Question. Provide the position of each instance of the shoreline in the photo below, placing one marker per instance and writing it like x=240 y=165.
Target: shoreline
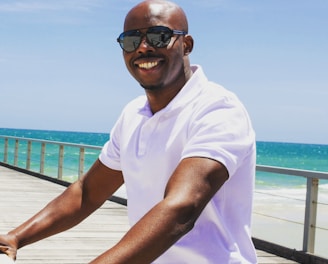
x=281 y=221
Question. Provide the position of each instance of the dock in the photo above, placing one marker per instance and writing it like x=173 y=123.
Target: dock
x=22 y=195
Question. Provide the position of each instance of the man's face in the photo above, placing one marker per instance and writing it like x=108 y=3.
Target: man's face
x=154 y=68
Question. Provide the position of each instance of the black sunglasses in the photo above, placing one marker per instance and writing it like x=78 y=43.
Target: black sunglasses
x=158 y=37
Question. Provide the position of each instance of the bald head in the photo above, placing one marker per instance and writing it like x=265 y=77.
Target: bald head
x=158 y=60
x=156 y=12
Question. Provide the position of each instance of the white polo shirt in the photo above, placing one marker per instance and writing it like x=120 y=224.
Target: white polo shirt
x=203 y=120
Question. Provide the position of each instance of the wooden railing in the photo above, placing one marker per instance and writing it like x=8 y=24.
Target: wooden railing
x=25 y=162
x=19 y=153
x=311 y=200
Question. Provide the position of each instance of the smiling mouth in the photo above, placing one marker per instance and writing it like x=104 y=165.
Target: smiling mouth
x=148 y=65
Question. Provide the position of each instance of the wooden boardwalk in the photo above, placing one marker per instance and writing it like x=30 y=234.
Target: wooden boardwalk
x=23 y=195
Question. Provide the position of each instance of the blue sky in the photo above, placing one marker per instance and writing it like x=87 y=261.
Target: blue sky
x=61 y=68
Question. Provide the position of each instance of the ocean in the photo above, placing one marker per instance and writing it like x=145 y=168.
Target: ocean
x=277 y=196
x=290 y=155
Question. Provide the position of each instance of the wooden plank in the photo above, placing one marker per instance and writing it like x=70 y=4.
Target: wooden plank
x=21 y=196
x=267 y=258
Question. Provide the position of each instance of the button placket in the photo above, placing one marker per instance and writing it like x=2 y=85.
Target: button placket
x=145 y=134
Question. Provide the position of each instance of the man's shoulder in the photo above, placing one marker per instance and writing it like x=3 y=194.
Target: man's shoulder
x=214 y=92
x=209 y=88
x=138 y=102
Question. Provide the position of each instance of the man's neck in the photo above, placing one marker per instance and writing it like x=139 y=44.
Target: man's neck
x=160 y=98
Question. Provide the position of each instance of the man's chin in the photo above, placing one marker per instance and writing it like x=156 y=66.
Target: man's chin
x=151 y=87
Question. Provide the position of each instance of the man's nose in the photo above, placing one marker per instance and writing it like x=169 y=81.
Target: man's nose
x=144 y=44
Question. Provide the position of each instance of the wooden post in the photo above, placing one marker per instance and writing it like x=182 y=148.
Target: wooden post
x=16 y=152
x=28 y=157
x=5 y=157
x=60 y=162
x=42 y=155
x=81 y=162
x=310 y=215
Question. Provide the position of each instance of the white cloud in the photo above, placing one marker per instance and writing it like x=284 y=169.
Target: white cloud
x=47 y=5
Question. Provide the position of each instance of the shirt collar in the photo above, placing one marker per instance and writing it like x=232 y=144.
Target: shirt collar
x=191 y=90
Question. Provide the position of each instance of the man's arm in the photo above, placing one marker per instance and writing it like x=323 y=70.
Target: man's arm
x=190 y=188
x=77 y=202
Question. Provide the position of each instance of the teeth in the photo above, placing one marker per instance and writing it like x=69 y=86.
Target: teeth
x=148 y=65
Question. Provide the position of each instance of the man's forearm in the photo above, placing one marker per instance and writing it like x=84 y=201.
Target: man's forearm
x=157 y=231
x=59 y=215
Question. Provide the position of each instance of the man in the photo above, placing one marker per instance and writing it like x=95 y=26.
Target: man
x=185 y=151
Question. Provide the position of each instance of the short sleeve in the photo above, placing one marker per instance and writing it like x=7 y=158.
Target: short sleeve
x=221 y=130
x=110 y=153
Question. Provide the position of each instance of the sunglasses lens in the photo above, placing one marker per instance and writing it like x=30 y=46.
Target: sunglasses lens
x=130 y=40
x=159 y=37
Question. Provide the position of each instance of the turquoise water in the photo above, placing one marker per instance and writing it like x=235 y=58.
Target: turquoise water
x=87 y=138
x=312 y=157
x=290 y=155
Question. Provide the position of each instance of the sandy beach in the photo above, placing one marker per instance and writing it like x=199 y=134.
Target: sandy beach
x=280 y=220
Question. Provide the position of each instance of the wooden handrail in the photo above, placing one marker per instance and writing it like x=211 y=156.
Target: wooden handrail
x=313 y=177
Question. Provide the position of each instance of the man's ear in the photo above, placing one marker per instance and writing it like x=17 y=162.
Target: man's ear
x=188 y=44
